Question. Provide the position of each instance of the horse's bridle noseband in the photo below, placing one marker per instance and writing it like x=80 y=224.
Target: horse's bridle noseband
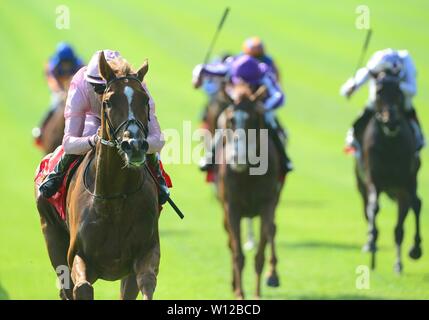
x=125 y=124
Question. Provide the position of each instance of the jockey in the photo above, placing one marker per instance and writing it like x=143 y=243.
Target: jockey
x=211 y=85
x=393 y=62
x=82 y=120
x=59 y=70
x=255 y=48
x=245 y=68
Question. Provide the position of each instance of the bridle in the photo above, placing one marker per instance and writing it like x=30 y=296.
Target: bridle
x=378 y=115
x=115 y=142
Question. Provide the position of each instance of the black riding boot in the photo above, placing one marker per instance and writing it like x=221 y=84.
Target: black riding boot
x=53 y=181
x=417 y=129
x=164 y=193
x=285 y=161
x=360 y=124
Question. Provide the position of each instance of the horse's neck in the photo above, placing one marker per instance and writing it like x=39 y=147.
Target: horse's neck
x=111 y=178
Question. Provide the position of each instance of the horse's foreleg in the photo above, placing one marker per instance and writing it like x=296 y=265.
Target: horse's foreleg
x=260 y=258
x=226 y=227
x=83 y=289
x=129 y=288
x=146 y=271
x=273 y=278
x=416 y=251
x=237 y=253
x=403 y=207
x=363 y=192
x=372 y=210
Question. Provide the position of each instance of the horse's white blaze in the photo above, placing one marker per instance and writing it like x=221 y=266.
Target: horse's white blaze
x=129 y=92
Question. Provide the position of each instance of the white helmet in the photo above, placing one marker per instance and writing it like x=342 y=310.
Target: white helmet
x=92 y=74
x=391 y=62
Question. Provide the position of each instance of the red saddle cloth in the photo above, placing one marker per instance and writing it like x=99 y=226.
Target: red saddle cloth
x=58 y=200
x=46 y=166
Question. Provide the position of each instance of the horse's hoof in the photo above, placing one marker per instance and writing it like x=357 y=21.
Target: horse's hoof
x=415 y=253
x=398 y=268
x=273 y=281
x=239 y=295
x=64 y=294
x=83 y=291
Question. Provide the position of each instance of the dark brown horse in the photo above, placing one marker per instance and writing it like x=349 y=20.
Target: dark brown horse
x=389 y=164
x=243 y=194
x=111 y=231
x=52 y=131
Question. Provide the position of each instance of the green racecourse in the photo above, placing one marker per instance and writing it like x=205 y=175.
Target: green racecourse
x=320 y=221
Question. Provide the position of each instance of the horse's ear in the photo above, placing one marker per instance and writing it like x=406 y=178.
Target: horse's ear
x=104 y=68
x=143 y=70
x=259 y=94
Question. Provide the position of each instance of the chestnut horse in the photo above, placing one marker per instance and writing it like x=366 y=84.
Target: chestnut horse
x=111 y=229
x=244 y=195
x=215 y=106
x=389 y=164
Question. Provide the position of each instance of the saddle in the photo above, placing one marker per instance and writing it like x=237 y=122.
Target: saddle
x=46 y=166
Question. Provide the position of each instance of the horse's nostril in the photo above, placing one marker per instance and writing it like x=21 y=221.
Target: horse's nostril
x=125 y=146
x=144 y=145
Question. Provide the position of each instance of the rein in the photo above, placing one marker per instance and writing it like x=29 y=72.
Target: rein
x=112 y=197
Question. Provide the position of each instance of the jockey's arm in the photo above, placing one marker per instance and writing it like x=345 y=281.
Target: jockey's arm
x=213 y=70
x=275 y=96
x=362 y=75
x=354 y=83
x=75 y=115
x=409 y=85
x=155 y=137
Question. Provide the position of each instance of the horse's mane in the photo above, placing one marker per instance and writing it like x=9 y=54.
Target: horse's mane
x=120 y=67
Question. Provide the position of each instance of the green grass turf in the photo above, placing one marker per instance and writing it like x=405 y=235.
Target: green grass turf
x=320 y=220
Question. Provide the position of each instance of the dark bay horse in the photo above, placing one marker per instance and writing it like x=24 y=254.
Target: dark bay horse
x=111 y=231
x=243 y=195
x=389 y=164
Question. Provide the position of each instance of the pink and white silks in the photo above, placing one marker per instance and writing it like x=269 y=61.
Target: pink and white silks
x=82 y=118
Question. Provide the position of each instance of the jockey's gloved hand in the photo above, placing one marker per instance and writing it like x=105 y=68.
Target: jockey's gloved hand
x=197 y=76
x=348 y=88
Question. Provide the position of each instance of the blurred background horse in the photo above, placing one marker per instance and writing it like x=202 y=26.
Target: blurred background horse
x=388 y=163
x=243 y=195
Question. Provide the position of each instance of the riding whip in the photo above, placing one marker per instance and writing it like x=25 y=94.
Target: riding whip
x=363 y=51
x=222 y=21
x=169 y=200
